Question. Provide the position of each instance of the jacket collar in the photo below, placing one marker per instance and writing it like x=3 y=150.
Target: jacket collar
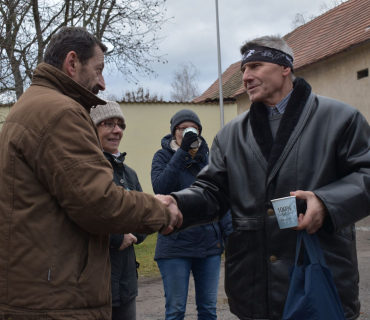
x=272 y=150
x=111 y=158
x=48 y=76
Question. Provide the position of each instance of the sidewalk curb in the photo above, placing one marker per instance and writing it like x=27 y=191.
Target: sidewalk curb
x=362 y=228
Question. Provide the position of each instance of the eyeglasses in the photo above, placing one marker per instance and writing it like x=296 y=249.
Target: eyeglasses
x=181 y=129
x=111 y=125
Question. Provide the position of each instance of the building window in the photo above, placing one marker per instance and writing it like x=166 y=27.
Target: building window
x=362 y=74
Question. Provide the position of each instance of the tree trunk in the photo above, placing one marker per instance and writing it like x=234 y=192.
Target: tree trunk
x=36 y=17
x=18 y=80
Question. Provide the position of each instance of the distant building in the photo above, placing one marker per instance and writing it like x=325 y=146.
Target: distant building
x=332 y=52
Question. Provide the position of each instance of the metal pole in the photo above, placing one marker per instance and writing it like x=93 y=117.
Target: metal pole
x=219 y=70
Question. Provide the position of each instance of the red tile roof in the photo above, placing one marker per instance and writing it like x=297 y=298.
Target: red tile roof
x=231 y=84
x=335 y=31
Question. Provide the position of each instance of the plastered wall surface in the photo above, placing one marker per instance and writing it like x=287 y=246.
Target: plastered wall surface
x=243 y=103
x=337 y=78
x=4 y=111
x=148 y=123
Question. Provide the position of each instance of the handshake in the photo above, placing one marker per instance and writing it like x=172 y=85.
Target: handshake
x=176 y=215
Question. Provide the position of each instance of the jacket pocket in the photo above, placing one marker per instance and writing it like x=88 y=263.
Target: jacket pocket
x=82 y=259
x=237 y=244
x=216 y=227
x=243 y=238
x=241 y=269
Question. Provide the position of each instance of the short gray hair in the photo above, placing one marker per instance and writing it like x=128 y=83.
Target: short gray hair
x=275 y=42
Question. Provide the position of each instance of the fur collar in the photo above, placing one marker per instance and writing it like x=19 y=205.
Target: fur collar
x=271 y=149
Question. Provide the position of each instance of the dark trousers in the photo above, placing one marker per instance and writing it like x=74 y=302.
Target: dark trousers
x=127 y=312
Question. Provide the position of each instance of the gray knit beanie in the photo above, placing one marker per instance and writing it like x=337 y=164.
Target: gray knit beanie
x=107 y=111
x=182 y=116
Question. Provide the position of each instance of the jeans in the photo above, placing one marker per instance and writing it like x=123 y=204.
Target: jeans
x=175 y=275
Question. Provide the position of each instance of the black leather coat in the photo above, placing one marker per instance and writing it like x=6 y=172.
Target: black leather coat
x=327 y=152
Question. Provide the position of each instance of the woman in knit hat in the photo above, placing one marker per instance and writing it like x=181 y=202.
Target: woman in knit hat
x=197 y=250
x=110 y=123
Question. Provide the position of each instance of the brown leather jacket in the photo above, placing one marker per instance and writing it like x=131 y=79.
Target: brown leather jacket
x=58 y=204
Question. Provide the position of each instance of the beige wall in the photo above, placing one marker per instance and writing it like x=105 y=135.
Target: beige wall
x=4 y=111
x=243 y=103
x=335 y=78
x=148 y=123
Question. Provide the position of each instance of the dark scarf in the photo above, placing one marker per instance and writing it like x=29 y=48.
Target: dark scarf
x=271 y=149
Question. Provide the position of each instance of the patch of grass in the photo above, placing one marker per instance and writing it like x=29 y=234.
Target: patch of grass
x=145 y=256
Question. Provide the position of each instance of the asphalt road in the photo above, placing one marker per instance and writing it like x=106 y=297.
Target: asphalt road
x=151 y=302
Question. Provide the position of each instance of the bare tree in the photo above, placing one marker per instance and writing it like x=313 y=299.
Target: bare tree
x=141 y=96
x=331 y=5
x=128 y=27
x=302 y=18
x=185 y=83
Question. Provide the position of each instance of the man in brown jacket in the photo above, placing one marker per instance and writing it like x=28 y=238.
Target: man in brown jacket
x=58 y=202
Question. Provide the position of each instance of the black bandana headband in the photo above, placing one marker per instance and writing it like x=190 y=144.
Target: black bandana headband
x=268 y=55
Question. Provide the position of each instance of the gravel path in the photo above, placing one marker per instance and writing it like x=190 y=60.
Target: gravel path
x=150 y=302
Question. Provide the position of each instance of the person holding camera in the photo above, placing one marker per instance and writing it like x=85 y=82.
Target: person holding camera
x=198 y=250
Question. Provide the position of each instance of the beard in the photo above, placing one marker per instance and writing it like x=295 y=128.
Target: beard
x=86 y=83
x=95 y=90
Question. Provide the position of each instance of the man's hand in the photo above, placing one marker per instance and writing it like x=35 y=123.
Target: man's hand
x=128 y=240
x=176 y=216
x=315 y=213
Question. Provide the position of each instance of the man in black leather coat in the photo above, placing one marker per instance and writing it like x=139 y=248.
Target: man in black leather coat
x=290 y=142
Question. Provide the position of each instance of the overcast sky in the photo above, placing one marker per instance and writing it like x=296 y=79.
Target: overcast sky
x=191 y=36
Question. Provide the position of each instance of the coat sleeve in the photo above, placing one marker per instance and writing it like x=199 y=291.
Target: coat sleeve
x=140 y=237
x=207 y=200
x=137 y=183
x=166 y=170
x=116 y=240
x=348 y=198
x=70 y=164
x=226 y=226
